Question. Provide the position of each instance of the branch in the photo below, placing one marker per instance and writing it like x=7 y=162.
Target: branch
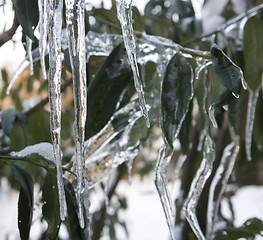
x=6 y=36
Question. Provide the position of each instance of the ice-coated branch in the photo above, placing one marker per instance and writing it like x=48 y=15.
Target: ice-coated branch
x=77 y=52
x=55 y=28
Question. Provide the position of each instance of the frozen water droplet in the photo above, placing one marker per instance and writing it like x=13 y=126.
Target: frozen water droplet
x=236 y=95
x=124 y=11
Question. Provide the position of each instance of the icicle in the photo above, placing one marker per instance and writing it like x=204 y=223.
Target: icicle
x=29 y=54
x=124 y=9
x=219 y=183
x=197 y=187
x=43 y=24
x=55 y=91
x=161 y=185
x=77 y=52
x=211 y=114
x=251 y=110
x=106 y=190
x=129 y=166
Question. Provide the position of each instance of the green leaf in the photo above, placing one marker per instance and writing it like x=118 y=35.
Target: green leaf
x=229 y=74
x=253 y=51
x=224 y=98
x=8 y=117
x=25 y=202
x=28 y=15
x=77 y=233
x=177 y=92
x=249 y=229
x=50 y=209
x=105 y=89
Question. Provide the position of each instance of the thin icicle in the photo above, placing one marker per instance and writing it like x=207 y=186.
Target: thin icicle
x=219 y=183
x=124 y=9
x=55 y=91
x=29 y=54
x=77 y=52
x=211 y=114
x=251 y=110
x=197 y=187
x=43 y=24
x=161 y=185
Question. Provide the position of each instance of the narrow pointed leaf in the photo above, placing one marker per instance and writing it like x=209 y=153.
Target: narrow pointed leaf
x=28 y=15
x=50 y=209
x=25 y=202
x=253 y=51
x=105 y=89
x=229 y=74
x=177 y=92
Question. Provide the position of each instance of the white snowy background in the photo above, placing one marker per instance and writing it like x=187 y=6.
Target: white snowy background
x=144 y=216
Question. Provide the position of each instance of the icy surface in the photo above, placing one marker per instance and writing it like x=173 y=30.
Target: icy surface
x=55 y=26
x=43 y=7
x=29 y=54
x=251 y=110
x=43 y=149
x=124 y=8
x=77 y=53
x=197 y=187
x=161 y=183
x=219 y=183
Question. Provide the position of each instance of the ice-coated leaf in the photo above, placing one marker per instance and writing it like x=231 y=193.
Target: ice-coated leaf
x=43 y=149
x=27 y=13
x=8 y=117
x=105 y=89
x=253 y=51
x=72 y=208
x=50 y=208
x=25 y=202
x=177 y=92
x=228 y=73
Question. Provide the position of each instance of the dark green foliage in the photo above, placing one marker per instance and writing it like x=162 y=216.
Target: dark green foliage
x=177 y=92
x=105 y=89
x=27 y=13
x=50 y=208
x=25 y=202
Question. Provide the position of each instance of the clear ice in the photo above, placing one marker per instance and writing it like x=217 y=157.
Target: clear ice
x=219 y=183
x=251 y=110
x=55 y=26
x=43 y=7
x=161 y=183
x=29 y=54
x=197 y=187
x=124 y=11
x=77 y=52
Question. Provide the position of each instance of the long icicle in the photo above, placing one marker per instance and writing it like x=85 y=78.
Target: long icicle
x=77 y=52
x=43 y=23
x=55 y=28
x=29 y=54
x=124 y=11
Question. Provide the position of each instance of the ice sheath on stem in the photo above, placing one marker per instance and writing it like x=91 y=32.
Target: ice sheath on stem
x=43 y=23
x=55 y=28
x=124 y=11
x=77 y=52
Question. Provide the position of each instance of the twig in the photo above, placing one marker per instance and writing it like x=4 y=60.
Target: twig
x=6 y=36
x=227 y=24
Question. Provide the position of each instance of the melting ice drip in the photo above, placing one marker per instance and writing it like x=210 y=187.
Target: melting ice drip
x=124 y=8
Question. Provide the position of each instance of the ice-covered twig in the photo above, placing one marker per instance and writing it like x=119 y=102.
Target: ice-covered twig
x=124 y=8
x=77 y=52
x=197 y=187
x=161 y=182
x=219 y=183
x=55 y=27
